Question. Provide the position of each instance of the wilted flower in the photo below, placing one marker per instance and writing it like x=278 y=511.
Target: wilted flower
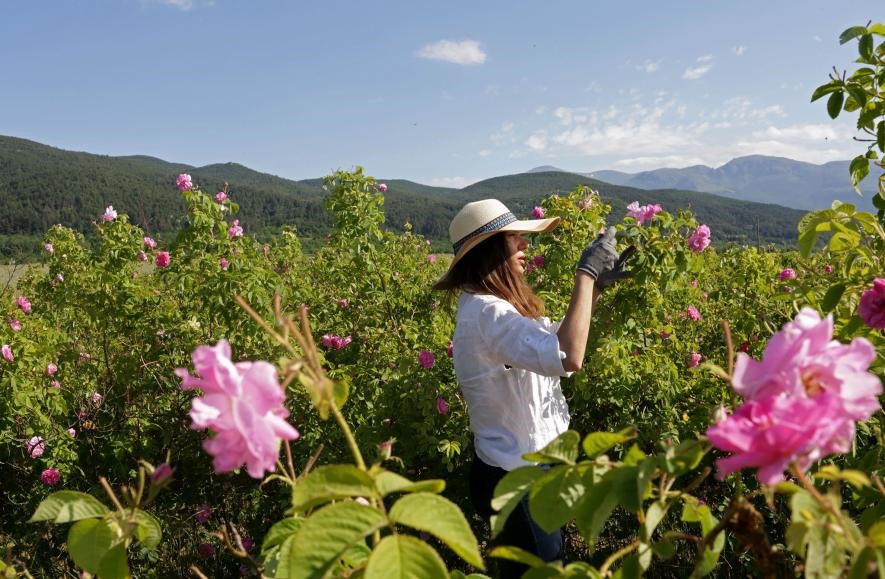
x=149 y=242
x=243 y=404
x=50 y=477
x=431 y=258
x=221 y=197
x=450 y=350
x=109 y=214
x=872 y=305
x=700 y=239
x=24 y=304
x=426 y=359
x=665 y=335
x=385 y=449
x=694 y=360
x=49 y=247
x=382 y=187
x=51 y=369
x=204 y=513
x=184 y=182
x=55 y=384
x=36 y=446
x=6 y=349
x=828 y=268
x=787 y=273
x=223 y=263
x=15 y=325
x=247 y=542
x=538 y=212
x=235 y=230
x=442 y=406
x=141 y=256
x=162 y=259
x=693 y=313
x=642 y=213
x=206 y=550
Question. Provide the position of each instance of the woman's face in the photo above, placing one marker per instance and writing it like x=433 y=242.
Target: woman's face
x=516 y=246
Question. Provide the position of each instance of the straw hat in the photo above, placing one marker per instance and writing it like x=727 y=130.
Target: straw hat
x=479 y=220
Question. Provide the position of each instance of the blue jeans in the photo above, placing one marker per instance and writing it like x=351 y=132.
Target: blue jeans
x=520 y=530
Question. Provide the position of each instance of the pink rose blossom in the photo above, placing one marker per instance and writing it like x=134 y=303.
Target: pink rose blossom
x=450 y=350
x=15 y=325
x=693 y=313
x=162 y=259
x=334 y=342
x=243 y=404
x=431 y=258
x=184 y=182
x=36 y=446
x=693 y=283
x=109 y=214
x=55 y=384
x=442 y=406
x=72 y=432
x=342 y=303
x=788 y=273
x=223 y=263
x=872 y=305
x=538 y=261
x=828 y=268
x=382 y=187
x=694 y=360
x=538 y=213
x=585 y=203
x=700 y=239
x=161 y=474
x=59 y=278
x=235 y=230
x=149 y=242
x=642 y=213
x=50 y=477
x=51 y=369
x=24 y=304
x=221 y=197
x=426 y=359
x=96 y=398
x=6 y=349
x=204 y=513
x=49 y=247
x=141 y=256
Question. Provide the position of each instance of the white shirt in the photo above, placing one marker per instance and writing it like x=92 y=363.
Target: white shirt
x=508 y=367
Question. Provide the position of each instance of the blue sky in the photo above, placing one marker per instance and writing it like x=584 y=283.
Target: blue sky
x=444 y=93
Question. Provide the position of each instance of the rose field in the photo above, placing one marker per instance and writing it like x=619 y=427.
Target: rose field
x=220 y=407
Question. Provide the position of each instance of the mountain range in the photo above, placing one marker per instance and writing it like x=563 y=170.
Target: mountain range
x=42 y=185
x=758 y=178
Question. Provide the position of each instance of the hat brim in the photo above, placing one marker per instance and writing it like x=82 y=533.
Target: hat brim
x=525 y=226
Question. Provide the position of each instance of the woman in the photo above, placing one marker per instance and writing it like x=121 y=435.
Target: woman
x=509 y=358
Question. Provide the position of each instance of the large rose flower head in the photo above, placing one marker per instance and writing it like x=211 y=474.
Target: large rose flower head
x=243 y=404
x=24 y=304
x=235 y=230
x=109 y=214
x=804 y=361
x=700 y=239
x=184 y=182
x=872 y=305
x=642 y=213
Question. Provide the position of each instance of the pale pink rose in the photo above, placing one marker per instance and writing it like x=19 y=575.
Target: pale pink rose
x=828 y=268
x=265 y=249
x=6 y=349
x=184 y=182
x=700 y=239
x=788 y=273
x=342 y=303
x=96 y=398
x=243 y=404
x=235 y=230
x=72 y=433
x=49 y=248
x=693 y=313
x=773 y=432
x=872 y=305
x=162 y=259
x=36 y=446
x=24 y=304
x=431 y=258
x=109 y=214
x=450 y=350
x=51 y=369
x=15 y=325
x=85 y=356
x=426 y=359
x=585 y=203
x=694 y=360
x=642 y=213
x=382 y=187
x=693 y=283
x=221 y=197
x=538 y=213
x=59 y=278
x=149 y=242
x=223 y=263
x=427 y=242
x=802 y=360
x=50 y=477
x=55 y=384
x=442 y=406
x=141 y=256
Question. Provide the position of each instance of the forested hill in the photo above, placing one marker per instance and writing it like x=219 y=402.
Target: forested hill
x=41 y=186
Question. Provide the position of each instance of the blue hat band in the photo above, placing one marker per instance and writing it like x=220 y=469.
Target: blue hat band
x=493 y=225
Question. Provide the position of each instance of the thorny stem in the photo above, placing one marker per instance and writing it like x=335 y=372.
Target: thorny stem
x=613 y=558
x=826 y=504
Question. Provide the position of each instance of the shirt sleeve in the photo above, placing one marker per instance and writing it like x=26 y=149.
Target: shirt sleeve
x=519 y=341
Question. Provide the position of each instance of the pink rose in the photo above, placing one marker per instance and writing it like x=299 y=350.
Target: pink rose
x=162 y=259
x=585 y=203
x=235 y=230
x=828 y=268
x=51 y=369
x=342 y=303
x=72 y=432
x=24 y=304
x=204 y=513
x=149 y=242
x=161 y=474
x=96 y=398
x=50 y=477
x=694 y=360
x=223 y=263
x=184 y=182
x=442 y=406
x=431 y=258
x=426 y=359
x=243 y=404
x=642 y=213
x=872 y=305
x=15 y=325
x=141 y=256
x=700 y=239
x=55 y=384
x=49 y=247
x=36 y=446
x=788 y=273
x=109 y=214
x=538 y=213
x=221 y=197
x=382 y=187
x=693 y=313
x=6 y=349
x=59 y=278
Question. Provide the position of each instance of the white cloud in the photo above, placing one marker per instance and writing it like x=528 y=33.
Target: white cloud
x=505 y=134
x=649 y=66
x=485 y=153
x=537 y=142
x=456 y=182
x=739 y=50
x=643 y=163
x=705 y=58
x=696 y=72
x=467 y=52
x=183 y=5
x=817 y=38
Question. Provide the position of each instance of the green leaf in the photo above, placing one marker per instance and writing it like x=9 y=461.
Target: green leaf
x=148 y=530
x=787 y=488
x=857 y=93
x=518 y=555
x=67 y=506
x=330 y=482
x=683 y=458
x=860 y=566
x=880 y=135
x=834 y=104
x=877 y=28
x=114 y=564
x=859 y=169
x=277 y=560
x=592 y=513
x=388 y=482
x=279 y=532
x=664 y=549
x=851 y=33
x=653 y=516
x=402 y=556
x=877 y=534
x=509 y=491
x=825 y=89
x=89 y=540
x=832 y=297
x=325 y=535
x=554 y=497
x=597 y=443
x=865 y=46
x=441 y=518
x=562 y=449
x=633 y=456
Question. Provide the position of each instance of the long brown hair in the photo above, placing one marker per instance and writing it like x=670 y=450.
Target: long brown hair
x=484 y=270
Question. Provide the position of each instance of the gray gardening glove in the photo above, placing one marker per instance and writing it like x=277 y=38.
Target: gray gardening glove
x=600 y=256
x=616 y=273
